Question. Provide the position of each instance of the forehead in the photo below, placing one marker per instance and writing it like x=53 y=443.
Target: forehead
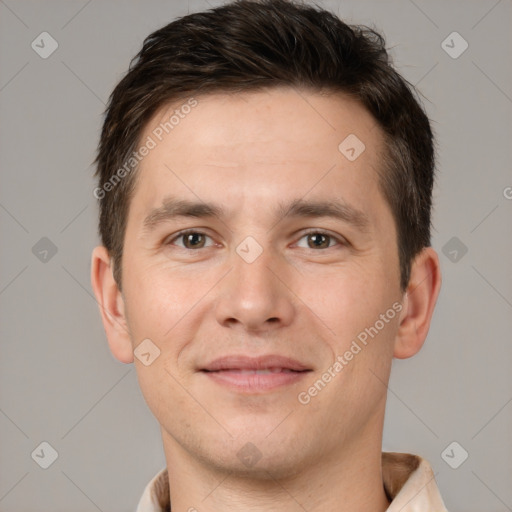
x=249 y=147
x=231 y=120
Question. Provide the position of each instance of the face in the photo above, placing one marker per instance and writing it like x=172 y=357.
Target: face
x=260 y=258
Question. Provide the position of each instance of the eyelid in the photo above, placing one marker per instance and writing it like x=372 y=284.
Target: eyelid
x=342 y=241
x=169 y=240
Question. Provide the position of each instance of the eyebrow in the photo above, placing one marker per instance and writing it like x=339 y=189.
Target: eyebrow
x=337 y=210
x=172 y=208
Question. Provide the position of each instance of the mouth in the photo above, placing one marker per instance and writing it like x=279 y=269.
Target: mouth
x=255 y=374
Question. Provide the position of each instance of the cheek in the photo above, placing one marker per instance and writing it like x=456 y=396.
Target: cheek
x=168 y=309
x=162 y=391
x=345 y=300
x=156 y=297
x=355 y=308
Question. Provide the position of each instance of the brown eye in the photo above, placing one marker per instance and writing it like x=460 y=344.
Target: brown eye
x=193 y=240
x=321 y=240
x=318 y=241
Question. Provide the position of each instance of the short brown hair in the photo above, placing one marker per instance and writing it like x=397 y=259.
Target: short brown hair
x=248 y=45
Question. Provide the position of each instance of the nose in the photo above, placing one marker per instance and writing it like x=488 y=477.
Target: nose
x=254 y=296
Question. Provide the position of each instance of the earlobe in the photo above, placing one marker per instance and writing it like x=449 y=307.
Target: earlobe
x=111 y=304
x=418 y=304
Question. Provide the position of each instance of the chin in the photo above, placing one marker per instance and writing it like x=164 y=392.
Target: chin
x=253 y=456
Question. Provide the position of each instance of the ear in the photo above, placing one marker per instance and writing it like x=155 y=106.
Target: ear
x=111 y=304
x=418 y=304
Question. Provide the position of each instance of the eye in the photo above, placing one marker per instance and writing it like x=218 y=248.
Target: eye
x=191 y=240
x=318 y=240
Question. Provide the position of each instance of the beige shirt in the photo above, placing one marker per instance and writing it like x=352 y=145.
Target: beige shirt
x=408 y=481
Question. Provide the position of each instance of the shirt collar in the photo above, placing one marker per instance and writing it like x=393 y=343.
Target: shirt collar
x=408 y=480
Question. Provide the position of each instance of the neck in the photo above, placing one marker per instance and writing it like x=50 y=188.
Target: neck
x=344 y=482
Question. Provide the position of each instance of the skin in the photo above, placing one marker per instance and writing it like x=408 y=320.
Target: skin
x=249 y=154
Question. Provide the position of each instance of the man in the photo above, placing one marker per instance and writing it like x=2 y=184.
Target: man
x=265 y=181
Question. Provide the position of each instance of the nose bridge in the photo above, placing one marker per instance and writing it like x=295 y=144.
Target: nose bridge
x=253 y=277
x=252 y=295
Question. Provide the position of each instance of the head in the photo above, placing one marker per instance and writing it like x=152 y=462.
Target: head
x=248 y=46
x=234 y=124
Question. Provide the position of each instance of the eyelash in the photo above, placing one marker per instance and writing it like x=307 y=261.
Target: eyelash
x=339 y=241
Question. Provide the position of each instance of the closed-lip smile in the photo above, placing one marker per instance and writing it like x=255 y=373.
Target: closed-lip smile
x=255 y=374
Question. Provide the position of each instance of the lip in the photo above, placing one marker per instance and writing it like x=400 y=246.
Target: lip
x=255 y=374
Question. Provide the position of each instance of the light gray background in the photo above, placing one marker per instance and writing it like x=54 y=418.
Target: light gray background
x=59 y=382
